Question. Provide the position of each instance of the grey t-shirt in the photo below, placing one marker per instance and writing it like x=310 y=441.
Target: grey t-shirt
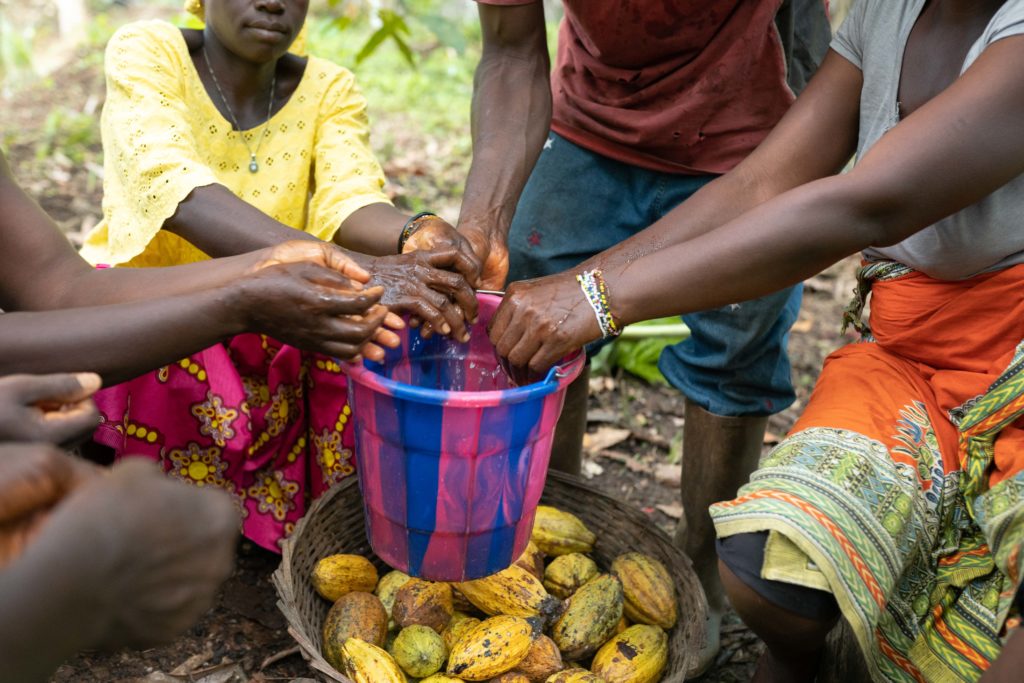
x=988 y=235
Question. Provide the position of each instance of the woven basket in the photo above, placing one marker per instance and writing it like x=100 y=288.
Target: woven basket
x=334 y=524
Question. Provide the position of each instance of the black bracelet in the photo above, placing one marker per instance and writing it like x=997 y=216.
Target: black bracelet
x=411 y=226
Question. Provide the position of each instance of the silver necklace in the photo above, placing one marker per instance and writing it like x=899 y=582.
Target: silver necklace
x=253 y=165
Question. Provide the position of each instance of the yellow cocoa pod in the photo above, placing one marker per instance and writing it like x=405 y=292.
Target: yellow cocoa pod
x=460 y=602
x=336 y=575
x=559 y=533
x=541 y=661
x=650 y=596
x=423 y=602
x=494 y=646
x=441 y=678
x=511 y=677
x=590 y=617
x=532 y=560
x=637 y=655
x=355 y=615
x=366 y=663
x=460 y=625
x=419 y=650
x=575 y=676
x=567 y=573
x=513 y=591
x=387 y=589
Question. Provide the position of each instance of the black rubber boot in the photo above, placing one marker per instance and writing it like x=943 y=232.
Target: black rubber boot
x=719 y=454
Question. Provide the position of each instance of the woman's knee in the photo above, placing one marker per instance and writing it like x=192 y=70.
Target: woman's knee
x=783 y=615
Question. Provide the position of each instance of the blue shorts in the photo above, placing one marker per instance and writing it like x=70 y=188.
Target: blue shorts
x=578 y=203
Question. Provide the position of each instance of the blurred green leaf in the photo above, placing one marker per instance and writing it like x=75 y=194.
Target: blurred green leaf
x=375 y=41
x=638 y=355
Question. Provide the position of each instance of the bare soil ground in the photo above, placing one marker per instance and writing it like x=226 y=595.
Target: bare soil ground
x=634 y=432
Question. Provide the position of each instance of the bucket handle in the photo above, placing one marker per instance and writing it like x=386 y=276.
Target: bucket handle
x=561 y=371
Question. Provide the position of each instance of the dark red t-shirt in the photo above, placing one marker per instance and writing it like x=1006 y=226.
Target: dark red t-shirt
x=684 y=86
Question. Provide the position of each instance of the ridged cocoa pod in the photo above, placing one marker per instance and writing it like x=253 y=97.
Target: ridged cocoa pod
x=638 y=655
x=365 y=663
x=647 y=587
x=511 y=677
x=419 y=650
x=513 y=591
x=567 y=573
x=576 y=675
x=461 y=602
x=387 y=589
x=423 y=602
x=590 y=618
x=336 y=575
x=532 y=560
x=559 y=533
x=460 y=625
x=541 y=661
x=354 y=615
x=493 y=647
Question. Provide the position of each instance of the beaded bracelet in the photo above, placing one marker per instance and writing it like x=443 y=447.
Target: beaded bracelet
x=596 y=291
x=411 y=226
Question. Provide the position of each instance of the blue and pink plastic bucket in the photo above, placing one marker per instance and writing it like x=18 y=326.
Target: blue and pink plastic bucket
x=451 y=457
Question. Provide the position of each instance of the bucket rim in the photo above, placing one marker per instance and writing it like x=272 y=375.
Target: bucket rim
x=558 y=377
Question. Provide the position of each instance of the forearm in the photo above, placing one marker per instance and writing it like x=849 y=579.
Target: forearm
x=220 y=224
x=511 y=116
x=123 y=285
x=372 y=230
x=117 y=341
x=720 y=201
x=771 y=247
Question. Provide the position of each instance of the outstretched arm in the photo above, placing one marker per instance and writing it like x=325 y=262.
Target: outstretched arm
x=511 y=116
x=815 y=139
x=122 y=322
x=970 y=131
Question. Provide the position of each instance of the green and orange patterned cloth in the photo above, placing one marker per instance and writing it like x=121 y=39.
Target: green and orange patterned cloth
x=901 y=488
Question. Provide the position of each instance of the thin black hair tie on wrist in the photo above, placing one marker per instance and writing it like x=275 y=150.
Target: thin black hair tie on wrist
x=411 y=226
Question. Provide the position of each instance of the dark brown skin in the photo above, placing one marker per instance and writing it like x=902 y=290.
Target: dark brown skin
x=511 y=117
x=247 y=42
x=52 y=408
x=784 y=215
x=735 y=245
x=135 y=580
x=124 y=321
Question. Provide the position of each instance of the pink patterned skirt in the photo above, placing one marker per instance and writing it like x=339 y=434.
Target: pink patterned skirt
x=261 y=420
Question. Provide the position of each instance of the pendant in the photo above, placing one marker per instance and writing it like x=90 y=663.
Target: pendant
x=253 y=166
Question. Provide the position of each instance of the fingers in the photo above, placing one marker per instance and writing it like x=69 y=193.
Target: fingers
x=393 y=321
x=502 y=317
x=71 y=422
x=338 y=261
x=55 y=389
x=387 y=338
x=466 y=262
x=335 y=302
x=552 y=350
x=35 y=476
x=429 y=313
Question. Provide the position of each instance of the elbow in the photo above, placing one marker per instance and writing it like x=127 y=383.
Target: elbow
x=881 y=213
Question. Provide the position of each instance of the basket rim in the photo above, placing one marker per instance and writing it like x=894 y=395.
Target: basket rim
x=283 y=583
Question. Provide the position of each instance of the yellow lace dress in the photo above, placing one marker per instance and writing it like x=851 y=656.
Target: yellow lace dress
x=264 y=421
x=163 y=137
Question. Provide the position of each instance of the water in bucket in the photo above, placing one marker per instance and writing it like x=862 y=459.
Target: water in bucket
x=451 y=456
